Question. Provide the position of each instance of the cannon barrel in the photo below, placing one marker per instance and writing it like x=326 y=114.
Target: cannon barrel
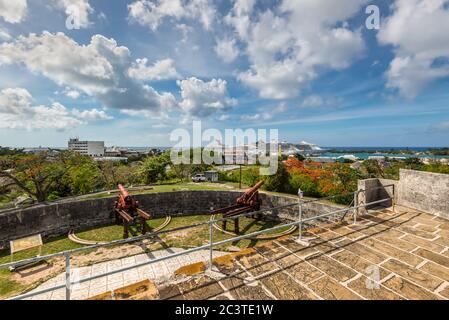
x=248 y=196
x=123 y=191
x=255 y=188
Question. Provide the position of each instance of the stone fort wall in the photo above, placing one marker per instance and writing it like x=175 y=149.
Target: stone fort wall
x=423 y=191
x=56 y=219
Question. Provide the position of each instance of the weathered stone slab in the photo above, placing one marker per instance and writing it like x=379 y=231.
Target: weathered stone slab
x=347 y=232
x=393 y=252
x=442 y=241
x=240 y=291
x=443 y=233
x=443 y=225
x=417 y=232
x=325 y=234
x=329 y=289
x=364 y=251
x=201 y=288
x=445 y=293
x=426 y=244
x=436 y=270
x=256 y=264
x=325 y=247
x=358 y=263
x=384 y=223
x=425 y=280
x=299 y=269
x=408 y=290
x=395 y=242
x=272 y=251
x=170 y=292
x=296 y=248
x=435 y=257
x=331 y=267
x=372 y=291
x=284 y=287
x=102 y=296
x=227 y=264
x=191 y=269
x=143 y=290
x=429 y=222
x=427 y=228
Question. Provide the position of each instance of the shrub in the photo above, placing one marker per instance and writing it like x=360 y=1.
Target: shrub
x=305 y=182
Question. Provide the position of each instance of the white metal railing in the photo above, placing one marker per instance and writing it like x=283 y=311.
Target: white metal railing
x=299 y=222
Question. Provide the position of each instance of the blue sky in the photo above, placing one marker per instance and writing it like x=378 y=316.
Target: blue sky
x=132 y=71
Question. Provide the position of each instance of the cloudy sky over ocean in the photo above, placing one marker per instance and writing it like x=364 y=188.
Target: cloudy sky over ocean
x=130 y=72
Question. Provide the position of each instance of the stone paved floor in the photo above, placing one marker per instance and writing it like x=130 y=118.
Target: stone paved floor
x=157 y=272
x=386 y=255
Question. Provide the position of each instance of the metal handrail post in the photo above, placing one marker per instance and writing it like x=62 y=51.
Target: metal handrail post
x=210 y=245
x=356 y=203
x=300 y=196
x=300 y=219
x=394 y=197
x=67 y=276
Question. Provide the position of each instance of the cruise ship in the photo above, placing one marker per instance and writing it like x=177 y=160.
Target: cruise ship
x=304 y=148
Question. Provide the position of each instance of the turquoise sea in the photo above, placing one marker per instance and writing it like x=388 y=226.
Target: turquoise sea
x=377 y=151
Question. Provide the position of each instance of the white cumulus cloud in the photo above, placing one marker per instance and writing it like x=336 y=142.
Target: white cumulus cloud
x=227 y=49
x=418 y=31
x=93 y=114
x=201 y=99
x=160 y=70
x=73 y=94
x=99 y=69
x=17 y=111
x=289 y=44
x=4 y=35
x=152 y=13
x=80 y=9
x=13 y=11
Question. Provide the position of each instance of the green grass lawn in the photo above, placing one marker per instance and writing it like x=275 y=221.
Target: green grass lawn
x=181 y=239
x=187 y=238
x=171 y=188
x=114 y=232
x=8 y=287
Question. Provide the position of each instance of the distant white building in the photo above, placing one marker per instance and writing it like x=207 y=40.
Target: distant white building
x=350 y=157
x=323 y=159
x=87 y=148
x=113 y=159
x=377 y=158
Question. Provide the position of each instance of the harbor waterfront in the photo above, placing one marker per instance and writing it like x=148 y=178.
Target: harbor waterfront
x=388 y=152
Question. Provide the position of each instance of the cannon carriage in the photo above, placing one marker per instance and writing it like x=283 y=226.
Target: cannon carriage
x=248 y=202
x=128 y=213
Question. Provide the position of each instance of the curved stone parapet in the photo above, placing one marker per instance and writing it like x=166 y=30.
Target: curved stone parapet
x=57 y=219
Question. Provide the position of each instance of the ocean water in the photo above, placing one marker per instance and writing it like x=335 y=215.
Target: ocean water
x=377 y=151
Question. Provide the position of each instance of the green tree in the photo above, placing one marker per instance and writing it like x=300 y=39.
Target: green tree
x=279 y=181
x=37 y=175
x=305 y=183
x=84 y=178
x=373 y=169
x=153 y=169
x=250 y=176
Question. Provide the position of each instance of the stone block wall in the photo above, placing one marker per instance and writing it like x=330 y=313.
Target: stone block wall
x=419 y=190
x=56 y=219
x=424 y=191
x=377 y=189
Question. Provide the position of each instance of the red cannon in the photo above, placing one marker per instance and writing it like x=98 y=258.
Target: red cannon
x=127 y=212
x=247 y=202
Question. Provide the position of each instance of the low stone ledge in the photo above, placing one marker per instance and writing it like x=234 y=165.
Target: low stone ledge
x=57 y=219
